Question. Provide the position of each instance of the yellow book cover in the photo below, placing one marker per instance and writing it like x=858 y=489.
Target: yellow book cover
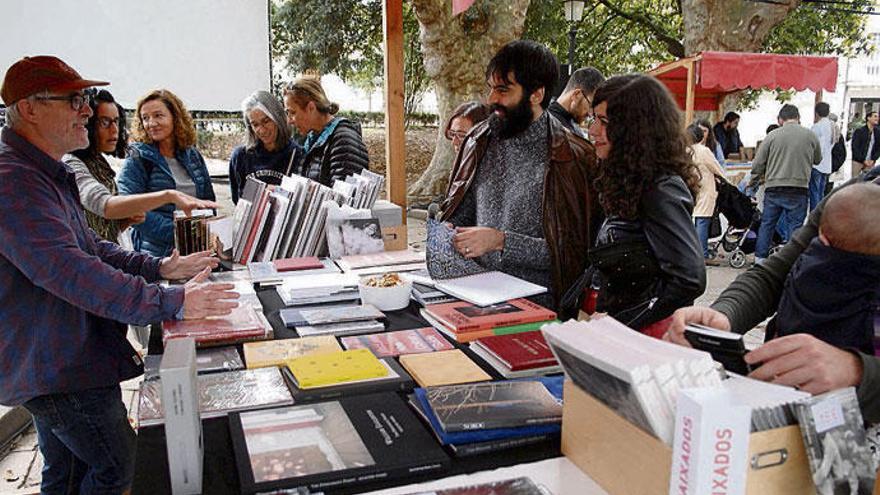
x=321 y=370
x=443 y=368
x=278 y=352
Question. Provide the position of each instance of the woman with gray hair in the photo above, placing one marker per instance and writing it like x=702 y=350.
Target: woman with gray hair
x=269 y=153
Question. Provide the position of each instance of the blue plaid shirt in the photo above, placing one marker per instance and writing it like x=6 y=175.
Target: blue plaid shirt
x=63 y=290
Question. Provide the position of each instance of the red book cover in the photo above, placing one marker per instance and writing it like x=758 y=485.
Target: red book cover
x=393 y=344
x=295 y=264
x=520 y=351
x=462 y=316
x=255 y=227
x=242 y=324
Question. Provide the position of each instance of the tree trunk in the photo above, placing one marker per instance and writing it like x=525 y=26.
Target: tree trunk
x=730 y=26
x=456 y=52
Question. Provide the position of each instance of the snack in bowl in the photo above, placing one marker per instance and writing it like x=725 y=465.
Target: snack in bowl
x=387 y=292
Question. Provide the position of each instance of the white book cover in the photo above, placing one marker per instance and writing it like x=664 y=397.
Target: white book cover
x=711 y=446
x=487 y=288
x=183 y=425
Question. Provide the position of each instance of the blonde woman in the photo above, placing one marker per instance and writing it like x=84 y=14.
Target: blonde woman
x=334 y=148
x=162 y=157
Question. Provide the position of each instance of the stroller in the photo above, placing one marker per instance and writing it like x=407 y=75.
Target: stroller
x=744 y=222
x=743 y=219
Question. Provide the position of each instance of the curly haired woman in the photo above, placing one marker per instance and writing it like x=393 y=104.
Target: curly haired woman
x=163 y=157
x=647 y=258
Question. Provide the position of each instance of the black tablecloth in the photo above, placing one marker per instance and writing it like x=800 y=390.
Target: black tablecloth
x=220 y=474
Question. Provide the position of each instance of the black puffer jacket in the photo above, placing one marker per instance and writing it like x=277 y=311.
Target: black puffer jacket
x=342 y=154
x=657 y=264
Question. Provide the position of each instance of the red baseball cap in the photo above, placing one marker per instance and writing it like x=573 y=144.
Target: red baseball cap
x=31 y=75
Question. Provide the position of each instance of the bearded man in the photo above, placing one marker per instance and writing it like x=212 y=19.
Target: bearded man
x=519 y=193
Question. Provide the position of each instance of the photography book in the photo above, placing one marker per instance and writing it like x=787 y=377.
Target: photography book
x=279 y=352
x=352 y=232
x=443 y=368
x=464 y=278
x=520 y=351
x=298 y=264
x=462 y=316
x=183 y=430
x=320 y=370
x=420 y=401
x=325 y=286
x=506 y=372
x=393 y=344
x=493 y=405
x=834 y=436
x=210 y=360
x=725 y=347
x=296 y=317
x=384 y=258
x=221 y=393
x=397 y=380
x=332 y=445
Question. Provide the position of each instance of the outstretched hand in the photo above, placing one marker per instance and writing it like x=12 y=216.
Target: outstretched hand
x=202 y=299
x=188 y=203
x=694 y=314
x=177 y=267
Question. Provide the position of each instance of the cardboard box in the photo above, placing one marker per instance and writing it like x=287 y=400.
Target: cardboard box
x=394 y=238
x=625 y=460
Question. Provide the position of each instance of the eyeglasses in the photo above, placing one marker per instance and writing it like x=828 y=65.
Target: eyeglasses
x=106 y=122
x=76 y=100
x=453 y=135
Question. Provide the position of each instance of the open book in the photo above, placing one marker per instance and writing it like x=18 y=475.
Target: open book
x=465 y=279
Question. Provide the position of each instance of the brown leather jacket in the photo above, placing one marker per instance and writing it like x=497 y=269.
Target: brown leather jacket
x=568 y=205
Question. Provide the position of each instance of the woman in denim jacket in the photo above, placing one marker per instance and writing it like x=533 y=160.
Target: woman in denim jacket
x=162 y=157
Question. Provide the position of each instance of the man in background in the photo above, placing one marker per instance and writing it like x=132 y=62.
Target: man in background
x=866 y=145
x=576 y=101
x=727 y=135
x=820 y=172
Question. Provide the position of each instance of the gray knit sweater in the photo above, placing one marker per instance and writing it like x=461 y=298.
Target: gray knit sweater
x=507 y=194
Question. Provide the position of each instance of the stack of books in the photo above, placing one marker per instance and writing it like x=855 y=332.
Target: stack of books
x=517 y=355
x=319 y=288
x=286 y=222
x=220 y=394
x=191 y=231
x=244 y=324
x=383 y=262
x=275 y=272
x=342 y=319
x=485 y=417
x=635 y=375
x=465 y=322
x=317 y=377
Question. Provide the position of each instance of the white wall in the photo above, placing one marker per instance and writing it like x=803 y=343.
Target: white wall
x=211 y=53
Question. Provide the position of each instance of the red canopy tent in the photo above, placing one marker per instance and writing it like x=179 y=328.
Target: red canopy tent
x=701 y=82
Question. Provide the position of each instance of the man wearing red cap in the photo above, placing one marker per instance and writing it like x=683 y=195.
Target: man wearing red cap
x=64 y=290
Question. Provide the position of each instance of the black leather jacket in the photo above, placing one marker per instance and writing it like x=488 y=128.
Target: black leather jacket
x=664 y=268
x=861 y=138
x=342 y=154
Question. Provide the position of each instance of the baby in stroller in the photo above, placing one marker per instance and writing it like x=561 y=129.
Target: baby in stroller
x=740 y=207
x=833 y=289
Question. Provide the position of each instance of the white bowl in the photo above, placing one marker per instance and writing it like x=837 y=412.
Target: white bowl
x=386 y=298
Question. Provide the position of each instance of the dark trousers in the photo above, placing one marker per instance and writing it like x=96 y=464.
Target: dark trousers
x=788 y=203
x=86 y=440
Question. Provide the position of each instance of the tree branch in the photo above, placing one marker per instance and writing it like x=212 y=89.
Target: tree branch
x=673 y=45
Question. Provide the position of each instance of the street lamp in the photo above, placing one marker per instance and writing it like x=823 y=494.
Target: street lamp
x=574 y=12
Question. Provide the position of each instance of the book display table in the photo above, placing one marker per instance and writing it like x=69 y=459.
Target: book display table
x=220 y=471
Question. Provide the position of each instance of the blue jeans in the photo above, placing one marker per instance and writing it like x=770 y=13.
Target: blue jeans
x=702 y=224
x=817 y=187
x=791 y=206
x=87 y=443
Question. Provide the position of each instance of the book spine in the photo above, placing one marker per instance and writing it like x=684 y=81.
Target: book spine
x=471 y=449
x=525 y=327
x=491 y=424
x=377 y=476
x=249 y=243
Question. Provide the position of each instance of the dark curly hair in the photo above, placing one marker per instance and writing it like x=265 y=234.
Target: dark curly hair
x=646 y=132
x=98 y=97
